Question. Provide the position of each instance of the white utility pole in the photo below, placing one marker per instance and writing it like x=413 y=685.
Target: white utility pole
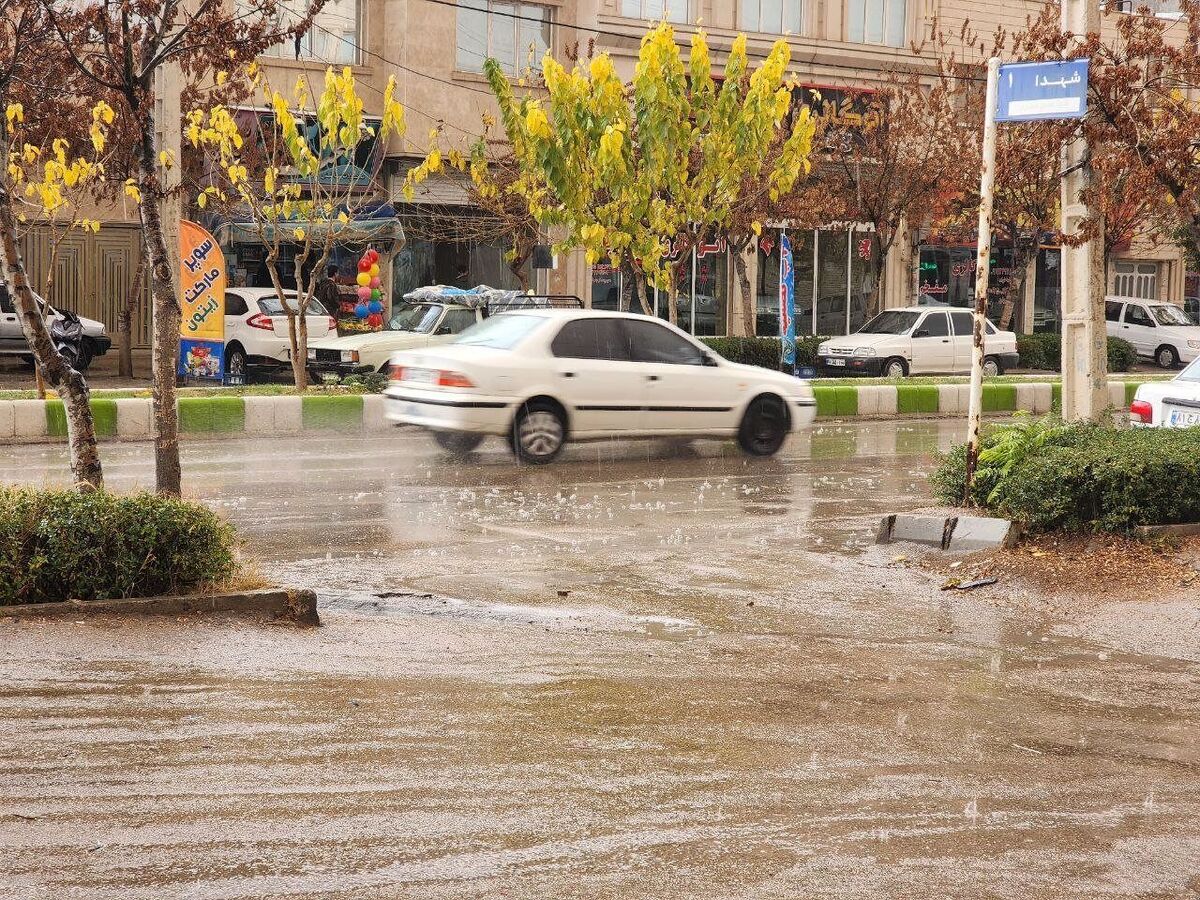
x=1084 y=351
x=987 y=184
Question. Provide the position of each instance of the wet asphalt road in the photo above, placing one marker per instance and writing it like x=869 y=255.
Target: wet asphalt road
x=636 y=673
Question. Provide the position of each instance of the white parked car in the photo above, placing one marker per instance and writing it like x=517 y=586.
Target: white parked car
x=412 y=325
x=256 y=329
x=1159 y=331
x=545 y=377
x=12 y=336
x=1169 y=404
x=916 y=340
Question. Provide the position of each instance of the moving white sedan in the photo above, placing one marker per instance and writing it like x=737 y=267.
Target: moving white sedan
x=1169 y=404
x=544 y=377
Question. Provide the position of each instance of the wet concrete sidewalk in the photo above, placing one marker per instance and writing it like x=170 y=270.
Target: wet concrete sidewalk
x=633 y=674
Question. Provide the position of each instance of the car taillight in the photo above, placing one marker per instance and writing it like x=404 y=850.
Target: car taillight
x=1141 y=411
x=261 y=320
x=454 y=379
x=396 y=373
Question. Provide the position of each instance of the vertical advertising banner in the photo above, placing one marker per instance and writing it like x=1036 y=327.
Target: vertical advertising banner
x=787 y=302
x=202 y=299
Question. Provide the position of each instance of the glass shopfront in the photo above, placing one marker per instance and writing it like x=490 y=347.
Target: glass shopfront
x=946 y=277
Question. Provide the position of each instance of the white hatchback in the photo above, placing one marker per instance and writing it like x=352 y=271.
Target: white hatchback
x=1169 y=404
x=256 y=329
x=545 y=377
x=1159 y=331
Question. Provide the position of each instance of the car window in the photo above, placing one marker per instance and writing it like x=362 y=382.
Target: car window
x=892 y=321
x=418 y=317
x=503 y=332
x=1166 y=314
x=651 y=342
x=270 y=306
x=1112 y=311
x=963 y=323
x=989 y=328
x=6 y=301
x=592 y=339
x=457 y=320
x=934 y=325
x=1137 y=315
x=235 y=304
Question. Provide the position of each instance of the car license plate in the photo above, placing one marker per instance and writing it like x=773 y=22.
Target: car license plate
x=1183 y=418
x=829 y=361
x=420 y=376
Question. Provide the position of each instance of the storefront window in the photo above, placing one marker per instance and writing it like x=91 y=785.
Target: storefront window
x=947 y=278
x=606 y=287
x=712 y=289
x=833 y=281
x=440 y=258
x=1047 y=290
x=864 y=276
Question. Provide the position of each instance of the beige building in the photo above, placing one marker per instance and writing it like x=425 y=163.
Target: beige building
x=436 y=48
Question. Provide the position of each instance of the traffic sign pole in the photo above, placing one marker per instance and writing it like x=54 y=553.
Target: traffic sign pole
x=987 y=183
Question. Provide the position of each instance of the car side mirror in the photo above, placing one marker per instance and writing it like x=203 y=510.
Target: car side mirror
x=709 y=359
x=924 y=332
x=445 y=329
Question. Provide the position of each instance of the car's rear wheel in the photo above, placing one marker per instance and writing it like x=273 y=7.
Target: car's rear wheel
x=991 y=366
x=764 y=426
x=1166 y=357
x=460 y=443
x=895 y=368
x=539 y=432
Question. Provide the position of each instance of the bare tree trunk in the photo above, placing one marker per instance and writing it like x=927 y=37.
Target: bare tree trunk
x=125 y=321
x=643 y=287
x=749 y=317
x=625 y=297
x=168 y=476
x=70 y=384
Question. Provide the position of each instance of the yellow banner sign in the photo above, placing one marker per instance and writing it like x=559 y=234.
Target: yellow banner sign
x=201 y=283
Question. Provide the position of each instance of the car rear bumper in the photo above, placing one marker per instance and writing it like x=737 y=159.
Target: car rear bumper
x=447 y=411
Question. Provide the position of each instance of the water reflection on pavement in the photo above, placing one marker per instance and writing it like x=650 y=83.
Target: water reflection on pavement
x=640 y=672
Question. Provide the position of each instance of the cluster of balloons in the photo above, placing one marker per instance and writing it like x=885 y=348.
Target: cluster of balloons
x=370 y=294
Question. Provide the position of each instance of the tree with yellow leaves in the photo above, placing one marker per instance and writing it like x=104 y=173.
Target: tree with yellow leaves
x=45 y=177
x=293 y=179
x=626 y=170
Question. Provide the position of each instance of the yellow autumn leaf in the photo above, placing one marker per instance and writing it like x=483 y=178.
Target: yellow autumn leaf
x=299 y=233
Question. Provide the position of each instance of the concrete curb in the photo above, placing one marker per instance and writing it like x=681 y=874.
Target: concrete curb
x=954 y=533
x=37 y=421
x=1153 y=532
x=297 y=606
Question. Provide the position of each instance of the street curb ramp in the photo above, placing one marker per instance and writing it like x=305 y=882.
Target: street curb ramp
x=298 y=607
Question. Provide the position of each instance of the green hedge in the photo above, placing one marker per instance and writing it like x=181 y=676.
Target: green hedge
x=64 y=545
x=764 y=351
x=1044 y=351
x=1081 y=477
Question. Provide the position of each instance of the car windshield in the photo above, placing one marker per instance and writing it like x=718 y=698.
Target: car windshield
x=1191 y=372
x=270 y=306
x=1170 y=315
x=502 y=332
x=419 y=317
x=893 y=321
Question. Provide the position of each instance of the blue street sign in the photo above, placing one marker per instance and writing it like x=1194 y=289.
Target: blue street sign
x=1042 y=90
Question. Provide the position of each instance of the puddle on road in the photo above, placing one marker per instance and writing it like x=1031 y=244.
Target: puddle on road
x=566 y=618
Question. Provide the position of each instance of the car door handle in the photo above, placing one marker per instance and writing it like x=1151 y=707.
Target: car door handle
x=567 y=374
x=652 y=378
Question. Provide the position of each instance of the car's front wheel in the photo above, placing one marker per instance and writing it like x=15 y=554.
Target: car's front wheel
x=235 y=362
x=764 y=426
x=895 y=368
x=460 y=443
x=539 y=432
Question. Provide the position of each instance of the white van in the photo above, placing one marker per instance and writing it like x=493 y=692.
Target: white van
x=1159 y=331
x=917 y=340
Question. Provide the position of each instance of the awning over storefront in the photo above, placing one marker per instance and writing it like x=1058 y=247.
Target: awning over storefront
x=377 y=223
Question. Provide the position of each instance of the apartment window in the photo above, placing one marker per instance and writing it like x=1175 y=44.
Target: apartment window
x=517 y=35
x=671 y=10
x=1165 y=9
x=333 y=37
x=772 y=16
x=876 y=22
x=1136 y=280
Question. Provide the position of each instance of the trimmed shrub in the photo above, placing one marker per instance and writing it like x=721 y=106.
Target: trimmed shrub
x=764 y=351
x=1044 y=351
x=1081 y=477
x=64 y=545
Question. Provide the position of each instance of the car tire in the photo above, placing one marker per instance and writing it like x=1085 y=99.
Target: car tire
x=894 y=368
x=539 y=432
x=992 y=366
x=764 y=426
x=87 y=352
x=1166 y=357
x=459 y=443
x=235 y=362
